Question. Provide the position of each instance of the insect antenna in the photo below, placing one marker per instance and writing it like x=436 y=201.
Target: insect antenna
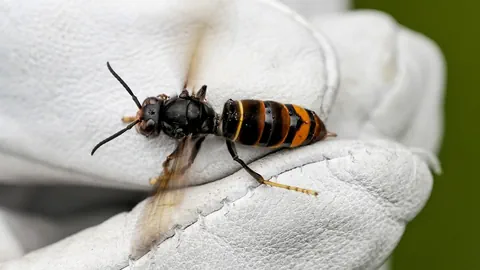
x=114 y=135
x=124 y=85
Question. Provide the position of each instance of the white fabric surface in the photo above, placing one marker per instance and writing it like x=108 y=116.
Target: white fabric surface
x=392 y=80
x=311 y=9
x=58 y=100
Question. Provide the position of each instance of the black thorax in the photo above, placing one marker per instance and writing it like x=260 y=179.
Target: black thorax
x=182 y=116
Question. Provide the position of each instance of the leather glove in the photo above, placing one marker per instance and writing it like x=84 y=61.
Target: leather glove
x=376 y=84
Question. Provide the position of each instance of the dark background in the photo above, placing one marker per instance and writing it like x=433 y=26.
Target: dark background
x=445 y=235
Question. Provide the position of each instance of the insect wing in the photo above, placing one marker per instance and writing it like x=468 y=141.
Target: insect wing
x=192 y=78
x=156 y=221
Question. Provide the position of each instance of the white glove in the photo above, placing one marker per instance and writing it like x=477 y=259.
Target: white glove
x=58 y=100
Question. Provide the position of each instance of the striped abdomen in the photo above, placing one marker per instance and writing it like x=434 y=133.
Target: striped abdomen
x=270 y=124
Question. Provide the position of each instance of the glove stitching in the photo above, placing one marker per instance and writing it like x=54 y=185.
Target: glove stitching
x=225 y=202
x=178 y=229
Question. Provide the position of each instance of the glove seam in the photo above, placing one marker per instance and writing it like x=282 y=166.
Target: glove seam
x=330 y=59
x=224 y=202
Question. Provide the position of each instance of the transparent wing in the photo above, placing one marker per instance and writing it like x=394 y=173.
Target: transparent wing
x=155 y=222
x=192 y=79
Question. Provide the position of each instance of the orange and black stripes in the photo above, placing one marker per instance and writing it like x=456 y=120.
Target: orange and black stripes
x=270 y=124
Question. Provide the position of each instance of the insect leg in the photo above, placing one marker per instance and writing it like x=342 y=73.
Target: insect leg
x=166 y=163
x=193 y=155
x=163 y=97
x=184 y=94
x=173 y=155
x=233 y=152
x=167 y=172
x=129 y=119
x=202 y=93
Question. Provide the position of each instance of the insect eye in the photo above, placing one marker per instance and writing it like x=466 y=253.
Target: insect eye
x=149 y=125
x=150 y=101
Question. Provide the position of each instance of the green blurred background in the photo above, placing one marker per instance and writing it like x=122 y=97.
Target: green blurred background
x=445 y=235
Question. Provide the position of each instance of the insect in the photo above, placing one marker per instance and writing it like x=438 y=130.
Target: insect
x=248 y=122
